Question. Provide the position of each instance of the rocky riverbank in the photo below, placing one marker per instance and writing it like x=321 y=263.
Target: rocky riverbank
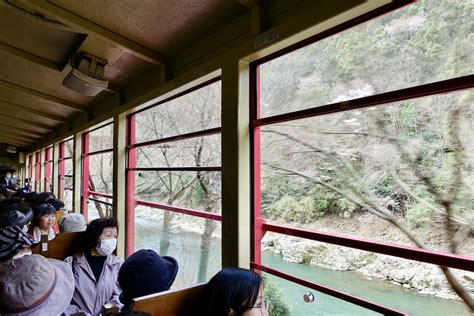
x=424 y=278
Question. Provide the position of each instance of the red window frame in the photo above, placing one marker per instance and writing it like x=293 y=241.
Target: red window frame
x=86 y=194
x=37 y=171
x=30 y=168
x=47 y=165
x=61 y=169
x=131 y=168
x=260 y=227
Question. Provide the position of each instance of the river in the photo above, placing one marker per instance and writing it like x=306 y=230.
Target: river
x=184 y=246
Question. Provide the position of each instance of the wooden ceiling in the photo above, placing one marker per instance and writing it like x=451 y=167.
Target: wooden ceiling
x=39 y=38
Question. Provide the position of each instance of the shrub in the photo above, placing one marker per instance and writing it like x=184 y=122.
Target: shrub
x=418 y=215
x=277 y=306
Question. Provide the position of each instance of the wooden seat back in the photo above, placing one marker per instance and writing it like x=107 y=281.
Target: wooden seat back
x=61 y=247
x=169 y=303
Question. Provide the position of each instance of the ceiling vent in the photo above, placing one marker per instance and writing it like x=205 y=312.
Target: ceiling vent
x=86 y=76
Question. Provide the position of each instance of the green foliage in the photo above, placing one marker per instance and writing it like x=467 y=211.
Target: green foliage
x=291 y=210
x=418 y=215
x=277 y=306
x=346 y=208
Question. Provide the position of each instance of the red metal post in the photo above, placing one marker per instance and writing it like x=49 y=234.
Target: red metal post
x=85 y=175
x=130 y=186
x=61 y=171
x=47 y=169
x=37 y=171
x=30 y=169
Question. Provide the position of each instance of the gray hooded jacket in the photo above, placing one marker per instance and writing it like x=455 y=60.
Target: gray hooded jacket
x=90 y=295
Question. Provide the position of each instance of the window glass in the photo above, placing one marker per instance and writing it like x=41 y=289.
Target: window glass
x=69 y=148
x=194 y=242
x=101 y=173
x=346 y=172
x=410 y=298
x=189 y=189
x=420 y=43
x=194 y=152
x=195 y=111
x=101 y=138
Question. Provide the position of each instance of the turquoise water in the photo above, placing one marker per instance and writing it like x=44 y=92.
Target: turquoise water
x=185 y=247
x=380 y=292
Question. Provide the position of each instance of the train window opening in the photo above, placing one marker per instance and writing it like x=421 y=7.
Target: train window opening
x=174 y=181
x=97 y=172
x=48 y=169
x=66 y=173
x=367 y=143
x=410 y=44
x=37 y=175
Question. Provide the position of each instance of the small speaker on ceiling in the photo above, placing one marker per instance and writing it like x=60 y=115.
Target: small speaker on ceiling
x=86 y=75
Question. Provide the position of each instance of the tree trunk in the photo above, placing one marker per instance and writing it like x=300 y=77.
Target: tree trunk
x=205 y=248
x=165 y=234
x=98 y=206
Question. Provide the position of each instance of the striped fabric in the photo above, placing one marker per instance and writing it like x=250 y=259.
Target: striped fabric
x=12 y=239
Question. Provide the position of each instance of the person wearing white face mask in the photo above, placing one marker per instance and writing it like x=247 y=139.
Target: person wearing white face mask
x=13 y=179
x=96 y=268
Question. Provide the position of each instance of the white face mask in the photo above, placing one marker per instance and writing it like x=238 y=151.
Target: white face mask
x=14 y=176
x=106 y=246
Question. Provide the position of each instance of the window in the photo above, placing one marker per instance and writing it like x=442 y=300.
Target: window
x=30 y=168
x=48 y=169
x=66 y=173
x=97 y=172
x=174 y=181
x=358 y=140
x=37 y=171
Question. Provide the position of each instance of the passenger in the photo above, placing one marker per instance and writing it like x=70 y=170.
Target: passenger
x=95 y=268
x=43 y=197
x=43 y=222
x=234 y=292
x=5 y=192
x=27 y=187
x=58 y=204
x=34 y=285
x=145 y=272
x=5 y=178
x=14 y=212
x=20 y=193
x=32 y=199
x=72 y=223
x=14 y=179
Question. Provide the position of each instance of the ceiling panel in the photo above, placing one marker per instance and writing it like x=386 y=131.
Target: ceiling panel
x=37 y=38
x=164 y=25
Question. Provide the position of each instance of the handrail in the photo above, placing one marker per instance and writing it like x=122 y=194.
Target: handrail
x=98 y=152
x=206 y=215
x=104 y=195
x=206 y=132
x=406 y=252
x=445 y=86
x=327 y=290
x=210 y=169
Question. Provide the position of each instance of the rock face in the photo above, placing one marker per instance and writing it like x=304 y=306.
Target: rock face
x=424 y=278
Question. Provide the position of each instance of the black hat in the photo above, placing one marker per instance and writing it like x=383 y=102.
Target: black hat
x=146 y=272
x=13 y=213
x=58 y=204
